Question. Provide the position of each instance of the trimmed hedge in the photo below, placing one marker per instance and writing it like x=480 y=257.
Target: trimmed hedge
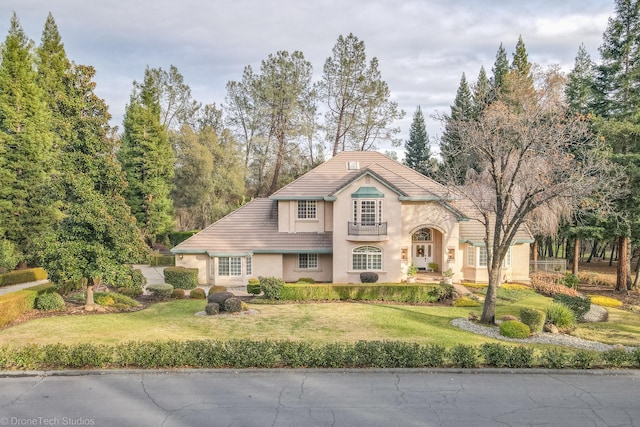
x=14 y=304
x=287 y=354
x=181 y=277
x=50 y=301
x=160 y=290
x=514 y=329
x=22 y=276
x=382 y=292
x=162 y=260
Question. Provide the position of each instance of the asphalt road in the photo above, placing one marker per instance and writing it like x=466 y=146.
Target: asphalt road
x=322 y=398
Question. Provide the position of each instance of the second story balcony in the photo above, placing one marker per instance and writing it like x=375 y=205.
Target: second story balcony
x=374 y=230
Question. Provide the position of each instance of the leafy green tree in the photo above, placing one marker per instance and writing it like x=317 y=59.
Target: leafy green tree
x=174 y=96
x=26 y=145
x=417 y=148
x=148 y=161
x=97 y=236
x=360 y=111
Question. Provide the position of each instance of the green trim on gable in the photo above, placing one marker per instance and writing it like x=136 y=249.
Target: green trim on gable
x=367 y=193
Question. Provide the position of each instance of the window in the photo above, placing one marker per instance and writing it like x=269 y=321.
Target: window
x=248 y=266
x=367 y=258
x=507 y=258
x=230 y=266
x=307 y=209
x=422 y=235
x=307 y=261
x=471 y=256
x=482 y=259
x=367 y=212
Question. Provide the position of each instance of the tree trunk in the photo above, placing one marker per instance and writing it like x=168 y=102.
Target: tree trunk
x=576 y=257
x=489 y=309
x=613 y=252
x=594 y=251
x=635 y=281
x=535 y=256
x=621 y=277
x=93 y=282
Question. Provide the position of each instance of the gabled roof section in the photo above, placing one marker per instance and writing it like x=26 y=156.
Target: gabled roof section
x=330 y=177
x=253 y=229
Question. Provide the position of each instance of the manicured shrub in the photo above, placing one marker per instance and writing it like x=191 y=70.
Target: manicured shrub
x=297 y=354
x=533 y=318
x=578 y=304
x=583 y=359
x=466 y=302
x=442 y=292
x=13 y=304
x=272 y=287
x=368 y=277
x=50 y=301
x=253 y=287
x=115 y=299
x=359 y=292
x=560 y=315
x=555 y=359
x=219 y=297
x=130 y=292
x=433 y=355
x=307 y=280
x=212 y=308
x=138 y=281
x=181 y=277
x=22 y=276
x=634 y=358
x=157 y=260
x=197 y=293
x=160 y=291
x=605 y=301
x=463 y=356
x=87 y=355
x=514 y=329
x=217 y=288
x=521 y=357
x=615 y=358
x=495 y=354
x=178 y=294
x=233 y=305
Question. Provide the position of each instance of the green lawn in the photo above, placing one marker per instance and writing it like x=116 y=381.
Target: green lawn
x=314 y=322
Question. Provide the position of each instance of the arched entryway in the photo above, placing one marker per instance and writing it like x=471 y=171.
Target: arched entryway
x=426 y=248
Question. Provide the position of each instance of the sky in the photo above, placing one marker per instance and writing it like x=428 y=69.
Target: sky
x=423 y=46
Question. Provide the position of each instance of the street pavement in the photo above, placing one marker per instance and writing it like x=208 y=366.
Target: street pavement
x=322 y=398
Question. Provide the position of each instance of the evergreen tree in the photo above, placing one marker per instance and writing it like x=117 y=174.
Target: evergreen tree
x=417 y=148
x=580 y=84
x=26 y=146
x=481 y=93
x=455 y=164
x=500 y=71
x=520 y=63
x=97 y=236
x=148 y=161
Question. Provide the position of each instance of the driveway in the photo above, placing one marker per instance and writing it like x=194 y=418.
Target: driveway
x=154 y=275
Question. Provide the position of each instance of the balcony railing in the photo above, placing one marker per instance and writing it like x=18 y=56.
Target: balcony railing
x=367 y=229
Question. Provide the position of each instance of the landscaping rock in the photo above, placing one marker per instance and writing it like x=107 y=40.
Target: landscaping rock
x=220 y=297
x=596 y=314
x=551 y=328
x=212 y=308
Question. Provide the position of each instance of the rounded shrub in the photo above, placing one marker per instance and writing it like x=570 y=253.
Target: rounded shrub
x=219 y=297
x=50 y=301
x=272 y=287
x=130 y=292
x=514 y=329
x=233 y=305
x=160 y=290
x=578 y=304
x=178 y=294
x=217 y=288
x=368 y=277
x=533 y=318
x=212 y=308
x=561 y=316
x=253 y=287
x=197 y=293
x=115 y=299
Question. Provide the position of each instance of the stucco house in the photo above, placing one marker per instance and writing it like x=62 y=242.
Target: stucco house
x=359 y=211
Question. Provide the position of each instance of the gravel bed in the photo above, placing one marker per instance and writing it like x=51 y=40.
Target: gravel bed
x=541 y=338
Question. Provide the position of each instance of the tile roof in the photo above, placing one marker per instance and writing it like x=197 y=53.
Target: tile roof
x=332 y=175
x=253 y=228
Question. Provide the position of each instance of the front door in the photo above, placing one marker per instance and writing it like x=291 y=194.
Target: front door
x=422 y=255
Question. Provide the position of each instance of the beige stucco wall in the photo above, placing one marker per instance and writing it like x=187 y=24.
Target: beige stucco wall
x=268 y=265
x=288 y=221
x=417 y=215
x=321 y=274
x=520 y=263
x=199 y=261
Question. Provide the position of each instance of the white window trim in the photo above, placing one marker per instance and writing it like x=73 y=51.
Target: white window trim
x=309 y=259
x=310 y=209
x=369 y=254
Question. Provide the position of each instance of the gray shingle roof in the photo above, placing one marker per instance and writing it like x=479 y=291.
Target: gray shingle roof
x=253 y=228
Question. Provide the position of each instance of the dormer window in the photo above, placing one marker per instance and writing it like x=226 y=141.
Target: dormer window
x=307 y=209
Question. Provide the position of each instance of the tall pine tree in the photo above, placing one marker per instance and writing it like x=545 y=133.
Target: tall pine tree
x=417 y=148
x=148 y=161
x=26 y=145
x=581 y=83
